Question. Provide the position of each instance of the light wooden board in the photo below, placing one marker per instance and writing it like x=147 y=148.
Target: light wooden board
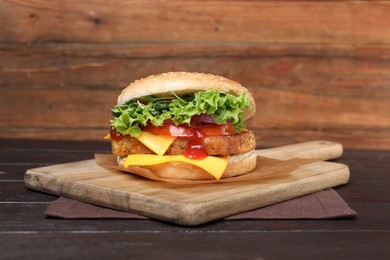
x=192 y=204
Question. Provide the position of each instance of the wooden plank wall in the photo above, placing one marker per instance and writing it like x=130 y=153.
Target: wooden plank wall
x=318 y=69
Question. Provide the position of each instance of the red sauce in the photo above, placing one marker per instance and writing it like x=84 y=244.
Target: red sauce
x=116 y=136
x=195 y=149
x=195 y=134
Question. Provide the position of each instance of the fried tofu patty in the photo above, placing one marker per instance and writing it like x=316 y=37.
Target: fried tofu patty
x=238 y=143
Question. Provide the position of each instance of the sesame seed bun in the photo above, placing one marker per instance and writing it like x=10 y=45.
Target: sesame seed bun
x=183 y=83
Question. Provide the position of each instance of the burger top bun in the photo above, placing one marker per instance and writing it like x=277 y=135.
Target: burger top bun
x=183 y=83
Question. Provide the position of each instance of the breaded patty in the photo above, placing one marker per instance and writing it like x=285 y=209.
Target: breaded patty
x=239 y=143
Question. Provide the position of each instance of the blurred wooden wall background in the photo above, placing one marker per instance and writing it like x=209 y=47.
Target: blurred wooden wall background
x=318 y=69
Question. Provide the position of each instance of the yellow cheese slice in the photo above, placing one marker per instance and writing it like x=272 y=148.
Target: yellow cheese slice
x=157 y=143
x=212 y=164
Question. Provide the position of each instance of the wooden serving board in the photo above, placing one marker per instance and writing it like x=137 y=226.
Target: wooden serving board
x=192 y=204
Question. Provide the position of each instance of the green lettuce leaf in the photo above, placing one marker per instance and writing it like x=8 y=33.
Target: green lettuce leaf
x=223 y=107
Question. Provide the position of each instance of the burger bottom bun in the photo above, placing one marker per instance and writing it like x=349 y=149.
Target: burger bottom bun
x=238 y=165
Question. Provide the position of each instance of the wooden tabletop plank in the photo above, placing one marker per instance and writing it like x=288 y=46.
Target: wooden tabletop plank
x=23 y=222
x=339 y=22
x=18 y=217
x=194 y=245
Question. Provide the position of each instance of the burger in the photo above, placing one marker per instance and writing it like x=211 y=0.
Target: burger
x=183 y=125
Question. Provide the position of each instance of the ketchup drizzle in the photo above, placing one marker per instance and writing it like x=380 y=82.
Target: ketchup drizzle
x=116 y=136
x=195 y=149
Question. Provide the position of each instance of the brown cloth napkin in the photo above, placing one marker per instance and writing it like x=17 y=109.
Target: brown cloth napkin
x=325 y=204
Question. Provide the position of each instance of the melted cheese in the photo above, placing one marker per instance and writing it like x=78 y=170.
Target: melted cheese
x=157 y=143
x=212 y=164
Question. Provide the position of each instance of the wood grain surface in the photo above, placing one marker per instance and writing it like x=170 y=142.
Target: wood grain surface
x=193 y=204
x=299 y=22
x=317 y=69
x=26 y=233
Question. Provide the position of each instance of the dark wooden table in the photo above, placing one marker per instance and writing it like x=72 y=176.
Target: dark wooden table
x=26 y=233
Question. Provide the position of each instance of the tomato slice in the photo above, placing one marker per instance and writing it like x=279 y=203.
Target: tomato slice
x=217 y=130
x=157 y=130
x=188 y=131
